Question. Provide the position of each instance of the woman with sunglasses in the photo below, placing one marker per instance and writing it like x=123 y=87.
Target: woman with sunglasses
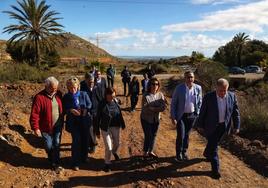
x=77 y=105
x=153 y=102
x=109 y=121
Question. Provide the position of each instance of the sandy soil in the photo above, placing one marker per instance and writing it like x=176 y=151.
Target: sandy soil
x=23 y=161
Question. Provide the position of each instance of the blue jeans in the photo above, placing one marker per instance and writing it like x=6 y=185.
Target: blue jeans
x=150 y=131
x=52 y=145
x=80 y=141
x=212 y=147
x=184 y=127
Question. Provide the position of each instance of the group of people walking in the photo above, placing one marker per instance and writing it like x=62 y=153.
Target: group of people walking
x=90 y=109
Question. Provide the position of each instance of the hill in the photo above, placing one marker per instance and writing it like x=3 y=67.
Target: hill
x=73 y=49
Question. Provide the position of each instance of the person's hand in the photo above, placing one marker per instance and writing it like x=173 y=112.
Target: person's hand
x=37 y=132
x=75 y=112
x=236 y=131
x=174 y=121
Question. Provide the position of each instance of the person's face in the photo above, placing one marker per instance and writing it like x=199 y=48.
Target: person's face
x=109 y=98
x=90 y=83
x=98 y=74
x=52 y=89
x=222 y=90
x=154 y=86
x=189 y=79
x=145 y=76
x=72 y=88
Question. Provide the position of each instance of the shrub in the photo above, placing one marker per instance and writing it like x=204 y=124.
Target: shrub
x=208 y=72
x=98 y=66
x=254 y=108
x=51 y=59
x=253 y=120
x=17 y=72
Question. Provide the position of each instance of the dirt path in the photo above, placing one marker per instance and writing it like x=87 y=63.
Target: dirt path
x=26 y=165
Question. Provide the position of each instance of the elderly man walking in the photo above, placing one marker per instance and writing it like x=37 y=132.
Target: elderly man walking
x=218 y=109
x=46 y=119
x=185 y=107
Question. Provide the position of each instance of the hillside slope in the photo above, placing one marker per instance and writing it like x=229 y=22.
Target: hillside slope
x=74 y=48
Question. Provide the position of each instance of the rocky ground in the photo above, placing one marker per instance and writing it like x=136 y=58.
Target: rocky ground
x=23 y=161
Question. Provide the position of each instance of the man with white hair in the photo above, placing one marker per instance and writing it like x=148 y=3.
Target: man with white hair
x=218 y=109
x=46 y=119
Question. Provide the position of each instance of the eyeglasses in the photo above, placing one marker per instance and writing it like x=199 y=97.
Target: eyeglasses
x=155 y=84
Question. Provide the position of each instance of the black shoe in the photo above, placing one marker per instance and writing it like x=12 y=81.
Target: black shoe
x=91 y=150
x=107 y=168
x=116 y=157
x=179 y=158
x=153 y=155
x=206 y=156
x=185 y=157
x=215 y=175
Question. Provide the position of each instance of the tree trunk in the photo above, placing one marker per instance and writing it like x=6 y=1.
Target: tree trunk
x=37 y=53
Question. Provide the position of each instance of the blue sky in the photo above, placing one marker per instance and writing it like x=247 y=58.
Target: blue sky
x=157 y=27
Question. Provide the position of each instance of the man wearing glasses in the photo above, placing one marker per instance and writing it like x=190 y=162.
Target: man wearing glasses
x=185 y=107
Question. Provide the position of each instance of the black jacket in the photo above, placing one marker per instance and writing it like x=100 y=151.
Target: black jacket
x=126 y=75
x=104 y=118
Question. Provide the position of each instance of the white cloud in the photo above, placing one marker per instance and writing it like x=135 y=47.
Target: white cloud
x=123 y=33
x=216 y=2
x=161 y=42
x=250 y=17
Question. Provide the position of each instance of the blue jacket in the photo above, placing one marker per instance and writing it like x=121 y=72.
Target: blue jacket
x=209 y=113
x=84 y=103
x=178 y=101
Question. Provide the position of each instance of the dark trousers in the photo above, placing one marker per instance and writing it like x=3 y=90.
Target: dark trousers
x=52 y=145
x=126 y=91
x=211 y=150
x=110 y=82
x=134 y=100
x=184 y=127
x=92 y=136
x=150 y=131
x=80 y=143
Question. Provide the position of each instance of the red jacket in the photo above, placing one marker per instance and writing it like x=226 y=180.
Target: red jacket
x=41 y=115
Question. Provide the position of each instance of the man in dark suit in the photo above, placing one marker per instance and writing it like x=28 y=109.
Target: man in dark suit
x=101 y=84
x=218 y=109
x=144 y=83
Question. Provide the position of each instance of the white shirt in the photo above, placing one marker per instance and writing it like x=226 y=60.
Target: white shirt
x=146 y=84
x=99 y=80
x=189 y=100
x=222 y=105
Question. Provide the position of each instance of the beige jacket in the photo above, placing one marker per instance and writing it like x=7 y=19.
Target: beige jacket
x=152 y=105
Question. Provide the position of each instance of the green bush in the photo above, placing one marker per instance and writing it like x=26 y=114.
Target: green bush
x=98 y=66
x=19 y=72
x=51 y=59
x=254 y=108
x=208 y=72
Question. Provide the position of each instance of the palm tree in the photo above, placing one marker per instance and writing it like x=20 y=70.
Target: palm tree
x=35 y=28
x=240 y=40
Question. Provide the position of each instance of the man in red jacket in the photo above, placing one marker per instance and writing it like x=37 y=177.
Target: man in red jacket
x=47 y=119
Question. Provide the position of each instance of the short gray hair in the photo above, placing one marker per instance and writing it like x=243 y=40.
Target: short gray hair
x=51 y=81
x=222 y=82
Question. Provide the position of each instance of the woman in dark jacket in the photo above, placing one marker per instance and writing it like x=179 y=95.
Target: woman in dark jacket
x=109 y=121
x=76 y=106
x=134 y=92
